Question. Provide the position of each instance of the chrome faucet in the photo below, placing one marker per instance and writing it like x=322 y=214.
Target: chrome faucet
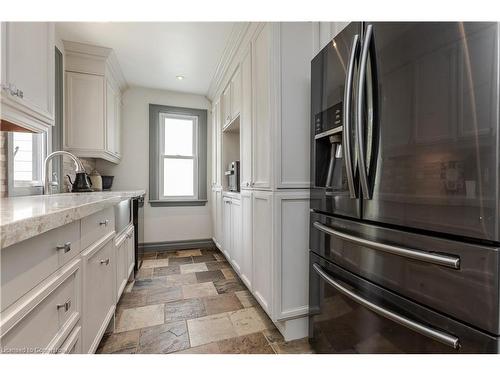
x=47 y=185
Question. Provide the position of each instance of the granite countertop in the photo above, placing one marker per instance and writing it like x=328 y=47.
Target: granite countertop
x=25 y=217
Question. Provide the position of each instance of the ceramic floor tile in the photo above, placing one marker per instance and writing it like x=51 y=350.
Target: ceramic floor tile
x=199 y=290
x=150 y=284
x=210 y=329
x=196 y=267
x=212 y=266
x=246 y=321
x=273 y=335
x=228 y=273
x=204 y=259
x=300 y=346
x=209 y=251
x=133 y=299
x=181 y=260
x=184 y=309
x=254 y=343
x=219 y=257
x=222 y=303
x=152 y=263
x=165 y=254
x=148 y=255
x=123 y=342
x=228 y=286
x=206 y=276
x=144 y=273
x=140 y=317
x=166 y=338
x=246 y=298
x=181 y=279
x=169 y=294
x=188 y=253
x=165 y=271
x=211 y=348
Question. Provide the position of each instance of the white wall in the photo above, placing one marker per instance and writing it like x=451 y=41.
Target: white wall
x=160 y=223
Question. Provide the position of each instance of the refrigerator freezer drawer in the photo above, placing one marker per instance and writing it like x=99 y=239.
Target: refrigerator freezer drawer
x=351 y=315
x=455 y=278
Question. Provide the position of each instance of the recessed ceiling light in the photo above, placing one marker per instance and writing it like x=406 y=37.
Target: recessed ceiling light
x=180 y=78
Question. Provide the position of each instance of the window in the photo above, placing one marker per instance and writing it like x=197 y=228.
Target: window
x=177 y=156
x=26 y=152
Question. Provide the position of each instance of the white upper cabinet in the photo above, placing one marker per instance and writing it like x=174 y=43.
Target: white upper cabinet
x=226 y=106
x=93 y=102
x=27 y=78
x=231 y=99
x=261 y=134
x=246 y=122
x=235 y=86
x=84 y=113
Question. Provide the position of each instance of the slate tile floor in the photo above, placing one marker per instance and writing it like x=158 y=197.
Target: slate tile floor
x=191 y=301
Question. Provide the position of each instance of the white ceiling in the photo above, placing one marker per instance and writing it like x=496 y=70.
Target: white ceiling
x=153 y=54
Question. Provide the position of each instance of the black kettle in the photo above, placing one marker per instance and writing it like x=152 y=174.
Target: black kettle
x=82 y=183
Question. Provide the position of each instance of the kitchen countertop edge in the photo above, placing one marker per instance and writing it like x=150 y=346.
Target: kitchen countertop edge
x=13 y=231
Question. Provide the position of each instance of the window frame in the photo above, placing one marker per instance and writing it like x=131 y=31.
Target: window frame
x=35 y=186
x=162 y=157
x=155 y=194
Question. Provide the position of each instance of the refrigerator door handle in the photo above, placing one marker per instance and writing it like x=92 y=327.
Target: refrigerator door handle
x=423 y=256
x=349 y=167
x=440 y=336
x=363 y=178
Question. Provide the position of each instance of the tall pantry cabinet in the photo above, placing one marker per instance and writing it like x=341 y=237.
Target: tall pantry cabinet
x=273 y=62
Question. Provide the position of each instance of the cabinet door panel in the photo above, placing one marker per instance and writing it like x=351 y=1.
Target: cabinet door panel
x=110 y=118
x=226 y=229
x=84 y=111
x=236 y=251
x=246 y=122
x=262 y=247
x=261 y=152
x=99 y=293
x=28 y=64
x=236 y=94
x=226 y=106
x=246 y=238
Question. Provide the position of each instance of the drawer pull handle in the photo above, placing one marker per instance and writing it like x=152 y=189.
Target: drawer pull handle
x=440 y=336
x=66 y=247
x=104 y=222
x=66 y=305
x=435 y=258
x=105 y=261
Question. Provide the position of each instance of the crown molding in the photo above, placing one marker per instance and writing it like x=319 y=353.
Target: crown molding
x=237 y=34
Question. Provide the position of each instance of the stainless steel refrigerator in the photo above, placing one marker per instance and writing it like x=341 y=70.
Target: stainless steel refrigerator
x=404 y=226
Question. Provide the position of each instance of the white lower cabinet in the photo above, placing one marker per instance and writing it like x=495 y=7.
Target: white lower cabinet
x=246 y=272
x=226 y=227
x=73 y=344
x=60 y=288
x=236 y=250
x=218 y=232
x=231 y=217
x=262 y=234
x=98 y=290
x=40 y=321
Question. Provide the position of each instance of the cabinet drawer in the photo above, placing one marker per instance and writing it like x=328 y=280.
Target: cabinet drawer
x=96 y=226
x=99 y=265
x=73 y=344
x=25 y=264
x=41 y=320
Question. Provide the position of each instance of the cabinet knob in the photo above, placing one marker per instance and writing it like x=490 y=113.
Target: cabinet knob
x=104 y=222
x=66 y=247
x=66 y=305
x=105 y=261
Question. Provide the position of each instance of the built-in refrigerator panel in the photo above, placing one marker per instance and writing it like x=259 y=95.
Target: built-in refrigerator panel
x=434 y=116
x=334 y=184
